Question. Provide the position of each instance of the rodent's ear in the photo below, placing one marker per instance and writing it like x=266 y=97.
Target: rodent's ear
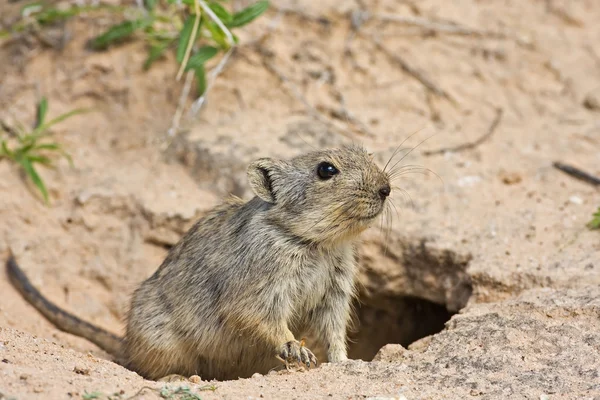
x=261 y=175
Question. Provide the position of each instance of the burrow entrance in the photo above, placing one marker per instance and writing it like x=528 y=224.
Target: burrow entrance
x=408 y=290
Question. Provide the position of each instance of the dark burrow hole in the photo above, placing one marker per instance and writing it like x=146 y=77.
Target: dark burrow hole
x=401 y=320
x=409 y=290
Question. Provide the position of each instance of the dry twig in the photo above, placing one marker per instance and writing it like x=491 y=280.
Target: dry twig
x=577 y=173
x=412 y=71
x=471 y=145
x=450 y=28
x=185 y=92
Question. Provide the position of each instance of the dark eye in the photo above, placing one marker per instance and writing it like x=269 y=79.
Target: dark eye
x=326 y=170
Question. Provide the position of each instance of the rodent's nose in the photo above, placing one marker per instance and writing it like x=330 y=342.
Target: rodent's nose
x=384 y=191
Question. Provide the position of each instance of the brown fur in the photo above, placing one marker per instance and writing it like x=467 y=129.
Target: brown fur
x=238 y=288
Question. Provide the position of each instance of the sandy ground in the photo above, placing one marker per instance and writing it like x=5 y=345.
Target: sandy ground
x=498 y=234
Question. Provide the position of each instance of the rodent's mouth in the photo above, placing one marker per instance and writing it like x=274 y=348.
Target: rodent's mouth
x=371 y=216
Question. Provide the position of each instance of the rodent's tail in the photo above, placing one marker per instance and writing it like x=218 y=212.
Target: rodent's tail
x=61 y=319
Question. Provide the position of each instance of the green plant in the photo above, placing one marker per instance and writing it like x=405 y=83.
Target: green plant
x=595 y=222
x=180 y=393
x=38 y=14
x=183 y=25
x=174 y=393
x=92 y=395
x=197 y=29
x=32 y=147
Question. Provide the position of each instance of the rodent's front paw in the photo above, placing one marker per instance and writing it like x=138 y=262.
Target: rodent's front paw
x=295 y=352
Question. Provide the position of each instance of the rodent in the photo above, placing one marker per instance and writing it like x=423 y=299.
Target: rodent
x=232 y=294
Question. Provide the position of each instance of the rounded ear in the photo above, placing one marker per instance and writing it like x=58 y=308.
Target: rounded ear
x=262 y=174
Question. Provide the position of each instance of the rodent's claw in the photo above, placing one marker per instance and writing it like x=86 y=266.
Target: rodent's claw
x=295 y=352
x=308 y=357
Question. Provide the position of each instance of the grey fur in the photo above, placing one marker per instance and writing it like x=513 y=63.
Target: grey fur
x=230 y=296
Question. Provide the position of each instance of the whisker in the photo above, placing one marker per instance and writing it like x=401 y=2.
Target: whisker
x=384 y=218
x=408 y=166
x=398 y=148
x=381 y=226
x=393 y=205
x=422 y=171
x=402 y=170
x=390 y=222
x=411 y=150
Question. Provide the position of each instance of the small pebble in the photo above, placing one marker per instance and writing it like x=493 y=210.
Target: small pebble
x=81 y=371
x=592 y=102
x=195 y=379
x=576 y=200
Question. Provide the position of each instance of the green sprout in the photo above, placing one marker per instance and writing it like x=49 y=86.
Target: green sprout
x=33 y=147
x=595 y=222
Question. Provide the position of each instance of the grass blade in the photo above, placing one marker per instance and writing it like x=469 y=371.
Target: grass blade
x=154 y=54
x=6 y=152
x=47 y=146
x=35 y=178
x=248 y=14
x=595 y=222
x=184 y=37
x=41 y=129
x=55 y=147
x=200 y=79
x=39 y=159
x=119 y=32
x=203 y=55
x=217 y=35
x=150 y=4
x=221 y=12
x=41 y=112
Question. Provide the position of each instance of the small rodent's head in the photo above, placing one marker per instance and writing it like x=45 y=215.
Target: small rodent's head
x=324 y=196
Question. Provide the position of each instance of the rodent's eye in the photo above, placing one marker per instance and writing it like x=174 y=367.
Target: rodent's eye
x=326 y=170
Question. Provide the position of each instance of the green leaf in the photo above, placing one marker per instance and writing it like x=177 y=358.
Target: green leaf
x=119 y=32
x=217 y=35
x=42 y=128
x=184 y=37
x=25 y=149
x=200 y=79
x=55 y=147
x=6 y=151
x=155 y=53
x=221 y=12
x=150 y=4
x=203 y=55
x=51 y=15
x=91 y=396
x=35 y=178
x=595 y=222
x=41 y=111
x=47 y=146
x=31 y=8
x=248 y=14
x=40 y=159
